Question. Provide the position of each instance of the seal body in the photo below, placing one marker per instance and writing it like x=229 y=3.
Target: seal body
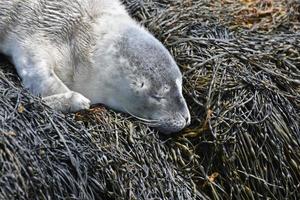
x=81 y=52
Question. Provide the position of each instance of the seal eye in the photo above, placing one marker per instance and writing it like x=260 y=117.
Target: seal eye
x=157 y=97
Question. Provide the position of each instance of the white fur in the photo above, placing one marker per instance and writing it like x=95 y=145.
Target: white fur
x=77 y=52
x=46 y=70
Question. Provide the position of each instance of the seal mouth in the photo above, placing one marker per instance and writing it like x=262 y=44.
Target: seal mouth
x=166 y=125
x=174 y=125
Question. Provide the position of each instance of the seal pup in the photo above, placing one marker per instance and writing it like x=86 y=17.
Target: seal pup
x=81 y=52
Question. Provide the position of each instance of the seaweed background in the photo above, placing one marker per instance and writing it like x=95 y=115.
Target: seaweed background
x=241 y=66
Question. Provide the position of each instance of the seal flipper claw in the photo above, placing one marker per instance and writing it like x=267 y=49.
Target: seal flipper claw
x=67 y=102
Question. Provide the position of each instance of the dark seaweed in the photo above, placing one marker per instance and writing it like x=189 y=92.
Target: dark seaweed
x=242 y=83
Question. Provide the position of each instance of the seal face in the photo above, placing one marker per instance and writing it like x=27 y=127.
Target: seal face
x=74 y=53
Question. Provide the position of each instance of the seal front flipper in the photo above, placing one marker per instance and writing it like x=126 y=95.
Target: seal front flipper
x=67 y=102
x=38 y=76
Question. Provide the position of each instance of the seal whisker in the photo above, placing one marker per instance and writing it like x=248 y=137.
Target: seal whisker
x=150 y=121
x=167 y=112
x=151 y=124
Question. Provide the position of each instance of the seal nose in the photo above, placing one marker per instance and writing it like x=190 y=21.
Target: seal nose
x=187 y=119
x=185 y=113
x=186 y=116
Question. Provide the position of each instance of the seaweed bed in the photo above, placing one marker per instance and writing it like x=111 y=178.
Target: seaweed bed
x=240 y=61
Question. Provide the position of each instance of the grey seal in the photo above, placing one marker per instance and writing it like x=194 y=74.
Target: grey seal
x=81 y=52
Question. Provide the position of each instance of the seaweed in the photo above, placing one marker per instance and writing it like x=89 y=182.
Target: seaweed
x=242 y=83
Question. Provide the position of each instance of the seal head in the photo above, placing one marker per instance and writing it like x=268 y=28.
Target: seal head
x=146 y=82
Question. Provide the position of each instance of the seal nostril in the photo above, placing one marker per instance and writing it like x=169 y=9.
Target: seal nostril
x=188 y=120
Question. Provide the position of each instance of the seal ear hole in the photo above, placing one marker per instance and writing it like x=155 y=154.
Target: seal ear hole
x=139 y=84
